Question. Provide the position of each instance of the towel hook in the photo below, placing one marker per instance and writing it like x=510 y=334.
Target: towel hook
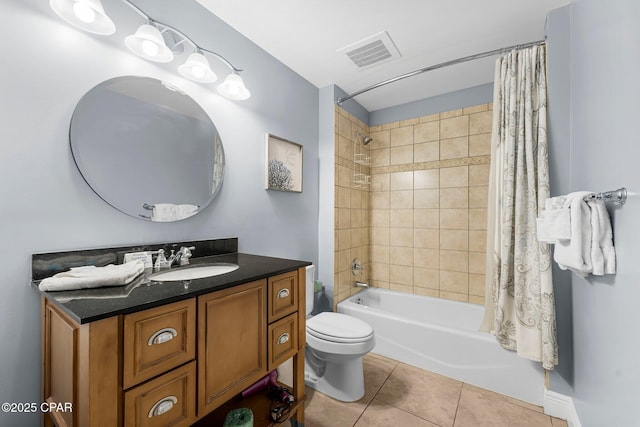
x=618 y=196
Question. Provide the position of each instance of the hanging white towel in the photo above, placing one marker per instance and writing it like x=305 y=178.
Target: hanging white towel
x=603 y=254
x=575 y=254
x=554 y=222
x=93 y=277
x=164 y=212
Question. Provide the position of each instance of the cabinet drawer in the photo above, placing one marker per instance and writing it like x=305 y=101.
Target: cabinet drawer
x=157 y=340
x=169 y=400
x=283 y=295
x=283 y=340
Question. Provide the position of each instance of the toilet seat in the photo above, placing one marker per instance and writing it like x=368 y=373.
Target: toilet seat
x=339 y=328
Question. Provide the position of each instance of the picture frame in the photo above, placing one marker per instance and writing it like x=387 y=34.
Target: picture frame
x=283 y=165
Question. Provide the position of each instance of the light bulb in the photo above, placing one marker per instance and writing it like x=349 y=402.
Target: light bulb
x=83 y=12
x=198 y=71
x=150 y=48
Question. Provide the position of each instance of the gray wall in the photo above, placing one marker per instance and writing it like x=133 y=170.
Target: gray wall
x=47 y=206
x=604 y=156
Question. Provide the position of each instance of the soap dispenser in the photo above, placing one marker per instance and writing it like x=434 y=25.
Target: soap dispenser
x=161 y=261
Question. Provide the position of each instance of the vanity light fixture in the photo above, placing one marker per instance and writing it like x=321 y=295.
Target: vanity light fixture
x=149 y=42
x=88 y=15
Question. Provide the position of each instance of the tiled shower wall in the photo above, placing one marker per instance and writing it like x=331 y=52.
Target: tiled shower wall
x=420 y=227
x=351 y=207
x=428 y=202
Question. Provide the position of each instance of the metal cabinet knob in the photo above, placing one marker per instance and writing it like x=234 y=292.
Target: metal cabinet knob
x=162 y=336
x=162 y=406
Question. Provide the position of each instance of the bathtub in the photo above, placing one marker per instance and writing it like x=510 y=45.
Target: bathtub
x=442 y=336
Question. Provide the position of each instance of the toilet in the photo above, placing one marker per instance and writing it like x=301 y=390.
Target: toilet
x=336 y=343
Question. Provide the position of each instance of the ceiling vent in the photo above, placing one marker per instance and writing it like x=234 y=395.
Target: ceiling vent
x=373 y=50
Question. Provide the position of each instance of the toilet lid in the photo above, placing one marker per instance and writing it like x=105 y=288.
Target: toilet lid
x=337 y=327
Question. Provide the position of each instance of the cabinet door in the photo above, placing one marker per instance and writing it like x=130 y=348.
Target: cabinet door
x=231 y=342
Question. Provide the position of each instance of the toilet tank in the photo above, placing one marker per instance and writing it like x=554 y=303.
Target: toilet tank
x=310 y=278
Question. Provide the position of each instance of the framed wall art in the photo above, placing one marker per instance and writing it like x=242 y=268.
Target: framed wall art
x=283 y=171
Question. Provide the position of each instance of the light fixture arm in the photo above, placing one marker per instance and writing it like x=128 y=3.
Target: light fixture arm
x=181 y=34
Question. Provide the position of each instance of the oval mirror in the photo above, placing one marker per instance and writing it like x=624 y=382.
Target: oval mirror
x=147 y=149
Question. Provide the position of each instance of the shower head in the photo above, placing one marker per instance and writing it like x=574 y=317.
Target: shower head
x=366 y=140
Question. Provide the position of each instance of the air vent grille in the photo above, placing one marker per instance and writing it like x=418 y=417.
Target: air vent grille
x=372 y=50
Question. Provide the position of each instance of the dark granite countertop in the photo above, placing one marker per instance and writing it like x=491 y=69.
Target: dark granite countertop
x=89 y=305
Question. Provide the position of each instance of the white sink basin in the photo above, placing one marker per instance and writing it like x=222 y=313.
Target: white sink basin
x=190 y=273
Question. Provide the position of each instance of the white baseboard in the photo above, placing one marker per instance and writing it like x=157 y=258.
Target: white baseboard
x=561 y=406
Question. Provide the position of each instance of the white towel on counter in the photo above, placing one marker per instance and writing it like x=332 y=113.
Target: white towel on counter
x=575 y=254
x=93 y=277
x=603 y=254
x=554 y=222
x=163 y=212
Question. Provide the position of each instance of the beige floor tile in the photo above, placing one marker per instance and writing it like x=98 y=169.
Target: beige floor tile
x=427 y=395
x=322 y=411
x=507 y=398
x=379 y=414
x=480 y=408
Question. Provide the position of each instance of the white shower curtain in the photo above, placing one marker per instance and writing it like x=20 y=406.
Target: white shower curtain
x=520 y=309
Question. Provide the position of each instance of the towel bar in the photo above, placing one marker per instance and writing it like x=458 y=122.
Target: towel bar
x=618 y=196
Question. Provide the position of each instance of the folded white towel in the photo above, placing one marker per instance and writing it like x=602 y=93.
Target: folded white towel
x=603 y=254
x=554 y=222
x=93 y=277
x=163 y=212
x=575 y=254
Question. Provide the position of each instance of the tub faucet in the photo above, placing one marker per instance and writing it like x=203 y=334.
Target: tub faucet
x=361 y=284
x=182 y=256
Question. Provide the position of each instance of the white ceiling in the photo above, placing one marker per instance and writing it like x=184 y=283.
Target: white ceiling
x=305 y=36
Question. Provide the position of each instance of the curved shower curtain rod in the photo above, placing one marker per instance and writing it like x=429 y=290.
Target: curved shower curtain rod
x=441 y=65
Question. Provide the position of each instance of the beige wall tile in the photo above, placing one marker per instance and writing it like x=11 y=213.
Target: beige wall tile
x=474 y=299
x=343 y=197
x=426 y=258
x=343 y=261
x=380 y=254
x=477 y=262
x=402 y=199
x=478 y=196
x=402 y=136
x=454 y=148
x=401 y=237
x=379 y=236
x=454 y=219
x=452 y=113
x=401 y=274
x=410 y=122
x=426 y=132
x=401 y=218
x=454 y=127
x=380 y=182
x=430 y=118
x=426 y=218
x=480 y=122
x=345 y=148
x=344 y=127
x=380 y=284
x=426 y=278
x=391 y=125
x=453 y=281
x=474 y=109
x=480 y=145
x=454 y=198
x=426 y=292
x=477 y=284
x=343 y=217
x=380 y=157
x=479 y=175
x=457 y=240
x=477 y=240
x=380 y=271
x=357 y=237
x=381 y=139
x=401 y=256
x=401 y=181
x=380 y=200
x=426 y=152
x=429 y=198
x=400 y=287
x=380 y=218
x=454 y=261
x=425 y=238
x=429 y=178
x=356 y=198
x=344 y=176
x=401 y=155
x=343 y=240
x=454 y=177
x=478 y=219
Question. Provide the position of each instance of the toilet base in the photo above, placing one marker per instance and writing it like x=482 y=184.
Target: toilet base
x=342 y=381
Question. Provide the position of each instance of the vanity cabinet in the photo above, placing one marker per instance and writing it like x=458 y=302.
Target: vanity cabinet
x=179 y=364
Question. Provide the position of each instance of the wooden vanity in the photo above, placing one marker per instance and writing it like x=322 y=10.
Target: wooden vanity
x=176 y=364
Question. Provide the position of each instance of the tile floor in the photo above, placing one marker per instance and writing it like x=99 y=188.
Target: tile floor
x=401 y=395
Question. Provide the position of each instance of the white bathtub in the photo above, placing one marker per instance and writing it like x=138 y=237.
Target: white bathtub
x=442 y=336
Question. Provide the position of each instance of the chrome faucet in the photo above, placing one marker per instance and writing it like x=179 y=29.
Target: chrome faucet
x=182 y=256
x=361 y=284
